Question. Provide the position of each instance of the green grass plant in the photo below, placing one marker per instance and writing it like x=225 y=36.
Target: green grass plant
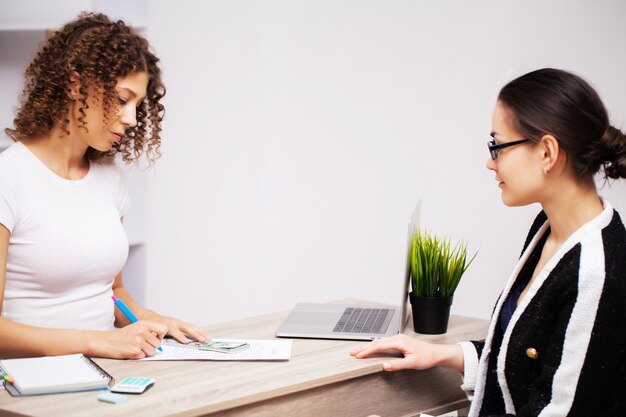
x=436 y=266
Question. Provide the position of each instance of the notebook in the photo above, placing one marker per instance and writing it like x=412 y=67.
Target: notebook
x=54 y=374
x=353 y=322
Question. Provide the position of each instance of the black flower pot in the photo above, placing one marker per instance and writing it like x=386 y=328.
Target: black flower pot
x=430 y=314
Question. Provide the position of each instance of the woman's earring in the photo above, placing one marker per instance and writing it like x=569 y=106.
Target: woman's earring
x=545 y=171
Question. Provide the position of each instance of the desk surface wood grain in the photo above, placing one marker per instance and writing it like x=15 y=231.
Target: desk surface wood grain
x=194 y=388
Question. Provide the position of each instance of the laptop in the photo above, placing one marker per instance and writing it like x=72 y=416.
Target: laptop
x=353 y=322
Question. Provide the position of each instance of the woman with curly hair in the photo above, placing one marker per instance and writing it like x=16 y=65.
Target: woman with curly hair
x=556 y=345
x=93 y=91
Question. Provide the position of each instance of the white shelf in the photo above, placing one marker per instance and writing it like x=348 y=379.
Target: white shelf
x=39 y=15
x=18 y=27
x=33 y=15
x=44 y=26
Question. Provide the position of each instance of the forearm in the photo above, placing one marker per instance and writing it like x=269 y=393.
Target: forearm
x=19 y=340
x=450 y=356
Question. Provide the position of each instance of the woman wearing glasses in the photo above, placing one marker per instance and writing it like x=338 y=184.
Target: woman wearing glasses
x=556 y=344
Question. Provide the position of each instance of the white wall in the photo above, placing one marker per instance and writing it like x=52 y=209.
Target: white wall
x=299 y=135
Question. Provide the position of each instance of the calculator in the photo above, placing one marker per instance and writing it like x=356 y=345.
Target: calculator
x=133 y=385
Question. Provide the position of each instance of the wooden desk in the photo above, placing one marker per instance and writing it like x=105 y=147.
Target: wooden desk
x=321 y=379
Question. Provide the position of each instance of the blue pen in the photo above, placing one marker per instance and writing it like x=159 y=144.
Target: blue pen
x=124 y=309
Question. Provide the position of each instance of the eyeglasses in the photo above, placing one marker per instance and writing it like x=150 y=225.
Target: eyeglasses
x=495 y=148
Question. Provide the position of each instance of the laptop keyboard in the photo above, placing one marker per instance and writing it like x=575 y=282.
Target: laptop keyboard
x=362 y=320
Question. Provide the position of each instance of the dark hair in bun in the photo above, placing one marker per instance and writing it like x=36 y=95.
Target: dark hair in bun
x=615 y=144
x=561 y=104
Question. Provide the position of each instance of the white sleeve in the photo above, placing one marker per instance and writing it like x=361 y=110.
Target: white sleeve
x=470 y=368
x=8 y=209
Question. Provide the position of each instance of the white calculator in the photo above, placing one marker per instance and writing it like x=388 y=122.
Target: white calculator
x=133 y=385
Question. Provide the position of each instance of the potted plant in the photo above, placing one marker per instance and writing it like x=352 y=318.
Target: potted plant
x=436 y=269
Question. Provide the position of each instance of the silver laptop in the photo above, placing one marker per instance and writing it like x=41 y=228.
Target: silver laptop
x=353 y=322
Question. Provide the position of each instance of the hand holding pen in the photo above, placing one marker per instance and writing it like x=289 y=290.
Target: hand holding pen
x=126 y=311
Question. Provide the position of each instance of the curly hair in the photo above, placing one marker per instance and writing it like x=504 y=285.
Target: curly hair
x=100 y=51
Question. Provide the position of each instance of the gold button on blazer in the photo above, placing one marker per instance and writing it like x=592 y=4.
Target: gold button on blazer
x=532 y=353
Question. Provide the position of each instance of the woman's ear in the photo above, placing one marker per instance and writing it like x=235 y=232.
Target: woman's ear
x=550 y=152
x=73 y=88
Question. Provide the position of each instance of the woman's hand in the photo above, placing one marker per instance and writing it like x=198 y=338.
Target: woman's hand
x=135 y=341
x=178 y=328
x=417 y=354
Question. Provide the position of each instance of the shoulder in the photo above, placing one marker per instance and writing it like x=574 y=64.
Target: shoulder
x=615 y=229
x=614 y=247
x=608 y=231
x=613 y=271
x=13 y=161
x=11 y=155
x=109 y=168
x=599 y=261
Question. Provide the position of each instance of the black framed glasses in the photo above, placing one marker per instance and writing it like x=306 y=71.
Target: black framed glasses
x=494 y=147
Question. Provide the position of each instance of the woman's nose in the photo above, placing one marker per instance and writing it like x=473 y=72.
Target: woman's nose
x=128 y=116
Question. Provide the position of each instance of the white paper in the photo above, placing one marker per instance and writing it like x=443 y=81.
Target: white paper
x=259 y=350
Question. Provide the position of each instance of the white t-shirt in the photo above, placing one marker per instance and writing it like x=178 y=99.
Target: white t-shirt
x=67 y=242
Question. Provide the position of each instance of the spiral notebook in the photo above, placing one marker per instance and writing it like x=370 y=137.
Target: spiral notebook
x=54 y=374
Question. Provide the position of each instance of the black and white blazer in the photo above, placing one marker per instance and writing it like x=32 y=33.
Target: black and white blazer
x=564 y=350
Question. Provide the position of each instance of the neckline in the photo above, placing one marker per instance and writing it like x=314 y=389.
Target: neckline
x=53 y=175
